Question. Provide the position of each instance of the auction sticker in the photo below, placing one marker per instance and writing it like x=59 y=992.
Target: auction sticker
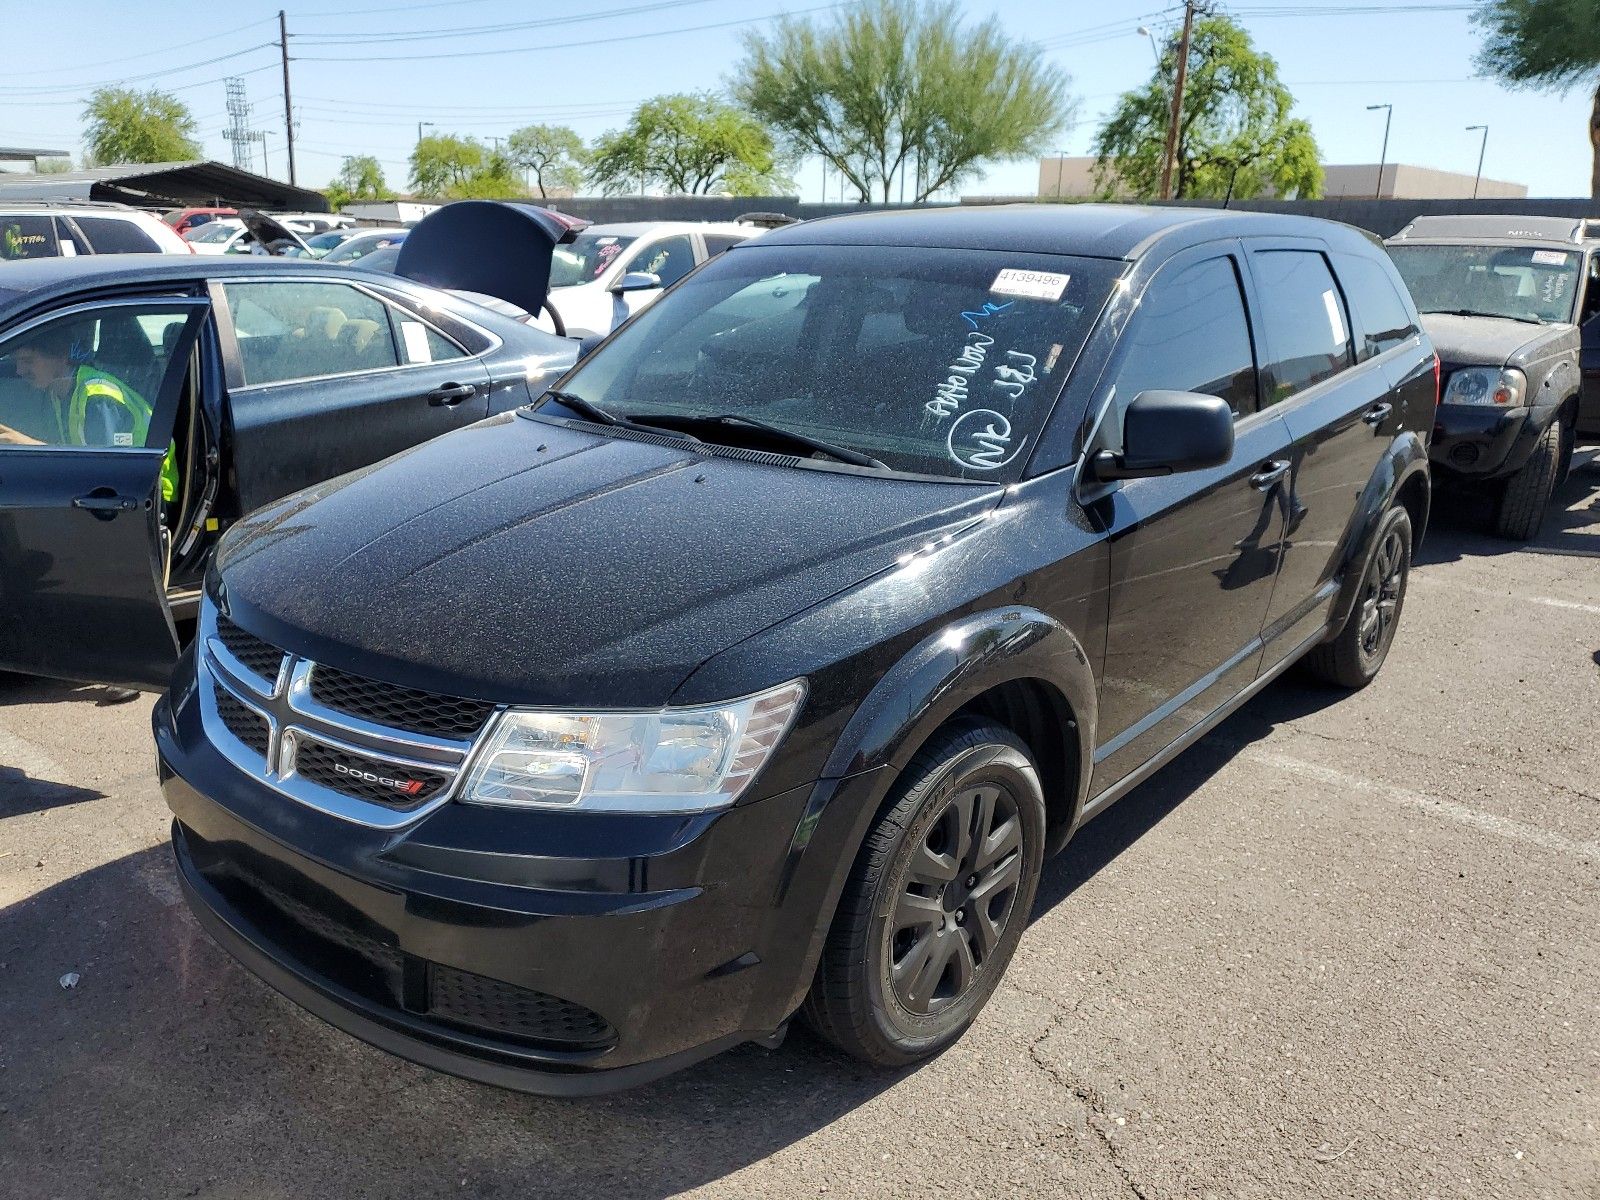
x=1550 y=258
x=1035 y=285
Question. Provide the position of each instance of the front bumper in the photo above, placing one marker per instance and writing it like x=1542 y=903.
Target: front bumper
x=1473 y=442
x=557 y=953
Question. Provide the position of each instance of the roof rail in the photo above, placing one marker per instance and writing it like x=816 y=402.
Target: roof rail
x=767 y=220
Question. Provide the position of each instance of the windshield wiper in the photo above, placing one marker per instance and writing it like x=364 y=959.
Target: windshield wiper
x=723 y=420
x=1473 y=312
x=604 y=416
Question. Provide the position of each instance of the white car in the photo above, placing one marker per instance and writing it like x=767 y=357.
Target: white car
x=42 y=230
x=610 y=272
x=229 y=235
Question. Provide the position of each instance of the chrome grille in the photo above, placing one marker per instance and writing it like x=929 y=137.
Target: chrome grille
x=328 y=739
x=401 y=707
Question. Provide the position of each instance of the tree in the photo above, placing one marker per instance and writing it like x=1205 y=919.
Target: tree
x=553 y=153
x=360 y=178
x=1552 y=44
x=128 y=126
x=1235 y=134
x=898 y=86
x=458 y=168
x=695 y=144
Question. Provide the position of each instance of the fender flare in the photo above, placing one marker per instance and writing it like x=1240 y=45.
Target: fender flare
x=1406 y=460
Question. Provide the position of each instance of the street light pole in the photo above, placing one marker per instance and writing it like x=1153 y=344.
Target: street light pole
x=1383 y=155
x=1061 y=166
x=421 y=125
x=1482 y=146
x=1155 y=48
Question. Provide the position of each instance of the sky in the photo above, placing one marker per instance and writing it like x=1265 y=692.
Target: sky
x=587 y=66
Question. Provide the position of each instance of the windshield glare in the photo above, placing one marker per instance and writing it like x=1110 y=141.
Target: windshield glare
x=1504 y=281
x=938 y=362
x=586 y=259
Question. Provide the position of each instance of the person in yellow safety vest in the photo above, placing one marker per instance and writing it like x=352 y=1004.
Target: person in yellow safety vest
x=90 y=406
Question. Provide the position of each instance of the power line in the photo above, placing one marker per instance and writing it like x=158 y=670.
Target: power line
x=56 y=89
x=347 y=39
x=124 y=58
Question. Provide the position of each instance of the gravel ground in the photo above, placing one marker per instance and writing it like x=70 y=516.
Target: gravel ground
x=1346 y=946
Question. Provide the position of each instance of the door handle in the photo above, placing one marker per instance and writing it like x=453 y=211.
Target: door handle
x=1267 y=477
x=1377 y=414
x=451 y=394
x=104 y=500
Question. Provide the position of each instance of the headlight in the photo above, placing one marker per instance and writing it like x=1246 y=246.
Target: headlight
x=663 y=760
x=1486 y=385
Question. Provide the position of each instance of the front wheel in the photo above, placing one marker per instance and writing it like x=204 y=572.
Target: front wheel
x=936 y=902
x=1352 y=659
x=1527 y=493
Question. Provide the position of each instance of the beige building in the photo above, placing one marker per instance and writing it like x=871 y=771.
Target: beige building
x=1073 y=178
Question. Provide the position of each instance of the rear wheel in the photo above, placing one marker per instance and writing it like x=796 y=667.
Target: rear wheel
x=1527 y=493
x=936 y=902
x=1354 y=657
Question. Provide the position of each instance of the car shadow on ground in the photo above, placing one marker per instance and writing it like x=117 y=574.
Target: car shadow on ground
x=31 y=689
x=170 y=1065
x=1461 y=523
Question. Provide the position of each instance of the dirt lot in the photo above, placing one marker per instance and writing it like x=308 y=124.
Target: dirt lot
x=1347 y=946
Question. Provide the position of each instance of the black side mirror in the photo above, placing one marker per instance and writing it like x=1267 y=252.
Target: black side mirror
x=1164 y=433
x=635 y=281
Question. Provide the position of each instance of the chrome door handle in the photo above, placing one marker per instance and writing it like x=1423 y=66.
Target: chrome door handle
x=1377 y=414
x=1267 y=477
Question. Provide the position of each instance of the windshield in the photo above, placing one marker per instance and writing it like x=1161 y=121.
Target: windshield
x=935 y=361
x=359 y=247
x=211 y=231
x=586 y=259
x=1522 y=282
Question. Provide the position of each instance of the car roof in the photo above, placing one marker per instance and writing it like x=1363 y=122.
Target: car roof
x=36 y=279
x=1124 y=231
x=1489 y=227
x=643 y=228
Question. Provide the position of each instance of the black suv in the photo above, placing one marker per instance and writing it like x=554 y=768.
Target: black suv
x=1502 y=299
x=758 y=668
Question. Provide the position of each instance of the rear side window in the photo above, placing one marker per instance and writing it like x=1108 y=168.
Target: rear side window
x=1191 y=335
x=1380 y=315
x=107 y=235
x=307 y=330
x=1308 y=335
x=27 y=235
x=716 y=243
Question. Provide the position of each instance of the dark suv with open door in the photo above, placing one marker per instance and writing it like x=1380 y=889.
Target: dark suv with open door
x=757 y=669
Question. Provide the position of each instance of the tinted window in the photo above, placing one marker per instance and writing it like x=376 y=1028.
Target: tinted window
x=306 y=330
x=27 y=236
x=1189 y=335
x=107 y=235
x=1307 y=333
x=936 y=361
x=585 y=259
x=671 y=258
x=716 y=243
x=1379 y=313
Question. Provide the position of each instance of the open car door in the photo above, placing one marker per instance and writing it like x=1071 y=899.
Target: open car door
x=88 y=399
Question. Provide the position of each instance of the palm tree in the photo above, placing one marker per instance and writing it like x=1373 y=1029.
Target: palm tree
x=1552 y=44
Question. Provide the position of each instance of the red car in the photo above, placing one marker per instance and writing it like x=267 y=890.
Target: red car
x=184 y=219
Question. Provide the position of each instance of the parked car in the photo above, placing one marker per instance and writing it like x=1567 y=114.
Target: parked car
x=758 y=668
x=254 y=232
x=1502 y=299
x=184 y=219
x=320 y=245
x=363 y=243
x=264 y=376
x=609 y=272
x=29 y=230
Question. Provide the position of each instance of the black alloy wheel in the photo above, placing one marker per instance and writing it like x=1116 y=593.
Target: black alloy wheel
x=1354 y=656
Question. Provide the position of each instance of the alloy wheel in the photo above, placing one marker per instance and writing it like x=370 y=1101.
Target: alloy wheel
x=958 y=895
x=1380 y=598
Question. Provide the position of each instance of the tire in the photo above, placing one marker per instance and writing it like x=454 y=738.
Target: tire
x=869 y=997
x=1354 y=656
x=1527 y=493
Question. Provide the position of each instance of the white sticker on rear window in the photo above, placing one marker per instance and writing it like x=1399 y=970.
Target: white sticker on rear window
x=1550 y=258
x=122 y=439
x=416 y=339
x=1335 y=317
x=1035 y=285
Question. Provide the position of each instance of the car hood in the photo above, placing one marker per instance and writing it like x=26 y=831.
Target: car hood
x=270 y=233
x=527 y=561
x=1485 y=341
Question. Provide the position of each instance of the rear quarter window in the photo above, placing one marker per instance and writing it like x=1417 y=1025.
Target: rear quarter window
x=27 y=235
x=107 y=235
x=1382 y=318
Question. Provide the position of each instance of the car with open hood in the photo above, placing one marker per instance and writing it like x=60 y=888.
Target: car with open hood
x=147 y=404
x=758 y=666
x=1502 y=299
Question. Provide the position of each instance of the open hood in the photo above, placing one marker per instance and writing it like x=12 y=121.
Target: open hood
x=494 y=247
x=273 y=236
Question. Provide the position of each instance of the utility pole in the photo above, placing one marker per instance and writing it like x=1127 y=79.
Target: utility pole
x=288 y=107
x=1169 y=153
x=1482 y=146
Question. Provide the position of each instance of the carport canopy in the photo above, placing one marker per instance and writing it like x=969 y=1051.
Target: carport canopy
x=165 y=185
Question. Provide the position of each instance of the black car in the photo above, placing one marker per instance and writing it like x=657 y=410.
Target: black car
x=758 y=668
x=1502 y=299
x=236 y=381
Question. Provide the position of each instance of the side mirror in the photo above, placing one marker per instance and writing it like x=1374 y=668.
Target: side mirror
x=1164 y=433
x=635 y=281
